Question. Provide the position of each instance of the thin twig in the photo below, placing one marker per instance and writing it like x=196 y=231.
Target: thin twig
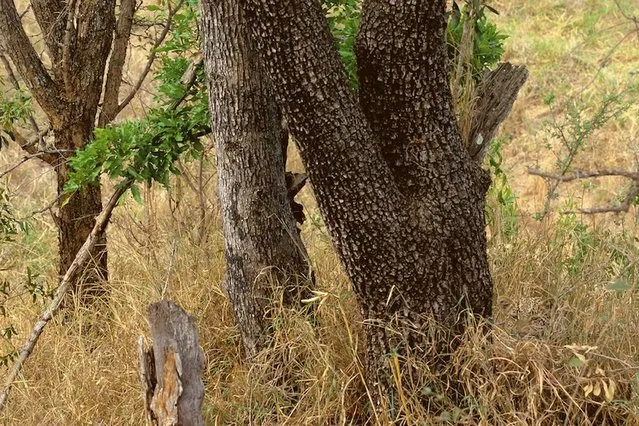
x=80 y=259
x=25 y=11
x=622 y=207
x=21 y=162
x=169 y=271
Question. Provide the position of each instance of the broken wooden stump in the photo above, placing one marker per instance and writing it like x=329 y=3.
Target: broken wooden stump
x=171 y=370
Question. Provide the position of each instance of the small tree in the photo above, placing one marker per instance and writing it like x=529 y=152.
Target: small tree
x=77 y=84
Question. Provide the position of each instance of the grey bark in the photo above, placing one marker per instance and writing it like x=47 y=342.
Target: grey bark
x=171 y=371
x=262 y=244
x=400 y=194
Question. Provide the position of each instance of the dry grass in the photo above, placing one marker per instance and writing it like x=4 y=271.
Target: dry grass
x=566 y=305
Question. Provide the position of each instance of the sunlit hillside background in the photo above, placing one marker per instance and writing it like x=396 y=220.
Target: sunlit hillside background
x=565 y=345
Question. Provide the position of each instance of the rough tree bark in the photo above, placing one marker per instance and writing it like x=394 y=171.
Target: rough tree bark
x=262 y=244
x=79 y=36
x=400 y=194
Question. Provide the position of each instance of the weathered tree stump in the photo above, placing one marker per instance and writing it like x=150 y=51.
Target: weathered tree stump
x=171 y=370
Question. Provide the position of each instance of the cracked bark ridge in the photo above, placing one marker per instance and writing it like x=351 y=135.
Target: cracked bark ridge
x=262 y=244
x=400 y=194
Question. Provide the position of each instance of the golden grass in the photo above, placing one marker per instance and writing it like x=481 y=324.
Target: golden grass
x=563 y=333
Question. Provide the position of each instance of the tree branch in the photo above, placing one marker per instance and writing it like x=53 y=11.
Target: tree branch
x=16 y=85
x=623 y=207
x=151 y=60
x=80 y=259
x=52 y=158
x=70 y=32
x=14 y=40
x=116 y=64
x=51 y=18
x=585 y=174
x=24 y=159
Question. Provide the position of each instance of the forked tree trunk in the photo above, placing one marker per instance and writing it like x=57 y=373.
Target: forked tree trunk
x=402 y=198
x=262 y=246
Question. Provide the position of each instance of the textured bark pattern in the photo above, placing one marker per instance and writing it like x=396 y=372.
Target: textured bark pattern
x=400 y=194
x=496 y=96
x=261 y=240
x=16 y=44
x=110 y=106
x=78 y=36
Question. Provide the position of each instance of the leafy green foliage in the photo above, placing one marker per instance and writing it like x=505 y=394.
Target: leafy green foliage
x=146 y=149
x=343 y=18
x=13 y=109
x=139 y=150
x=501 y=216
x=9 y=224
x=488 y=42
x=488 y=47
x=579 y=124
x=575 y=128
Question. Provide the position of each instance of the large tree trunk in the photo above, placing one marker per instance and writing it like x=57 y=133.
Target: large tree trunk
x=262 y=244
x=400 y=194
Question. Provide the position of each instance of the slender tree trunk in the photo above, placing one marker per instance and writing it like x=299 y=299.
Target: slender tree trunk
x=262 y=244
x=76 y=219
x=401 y=196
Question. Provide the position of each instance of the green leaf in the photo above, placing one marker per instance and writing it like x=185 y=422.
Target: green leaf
x=135 y=191
x=619 y=286
x=576 y=362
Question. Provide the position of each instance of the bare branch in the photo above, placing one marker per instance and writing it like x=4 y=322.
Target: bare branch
x=50 y=157
x=80 y=259
x=67 y=51
x=583 y=174
x=14 y=40
x=24 y=159
x=623 y=207
x=151 y=60
x=51 y=18
x=496 y=95
x=116 y=63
